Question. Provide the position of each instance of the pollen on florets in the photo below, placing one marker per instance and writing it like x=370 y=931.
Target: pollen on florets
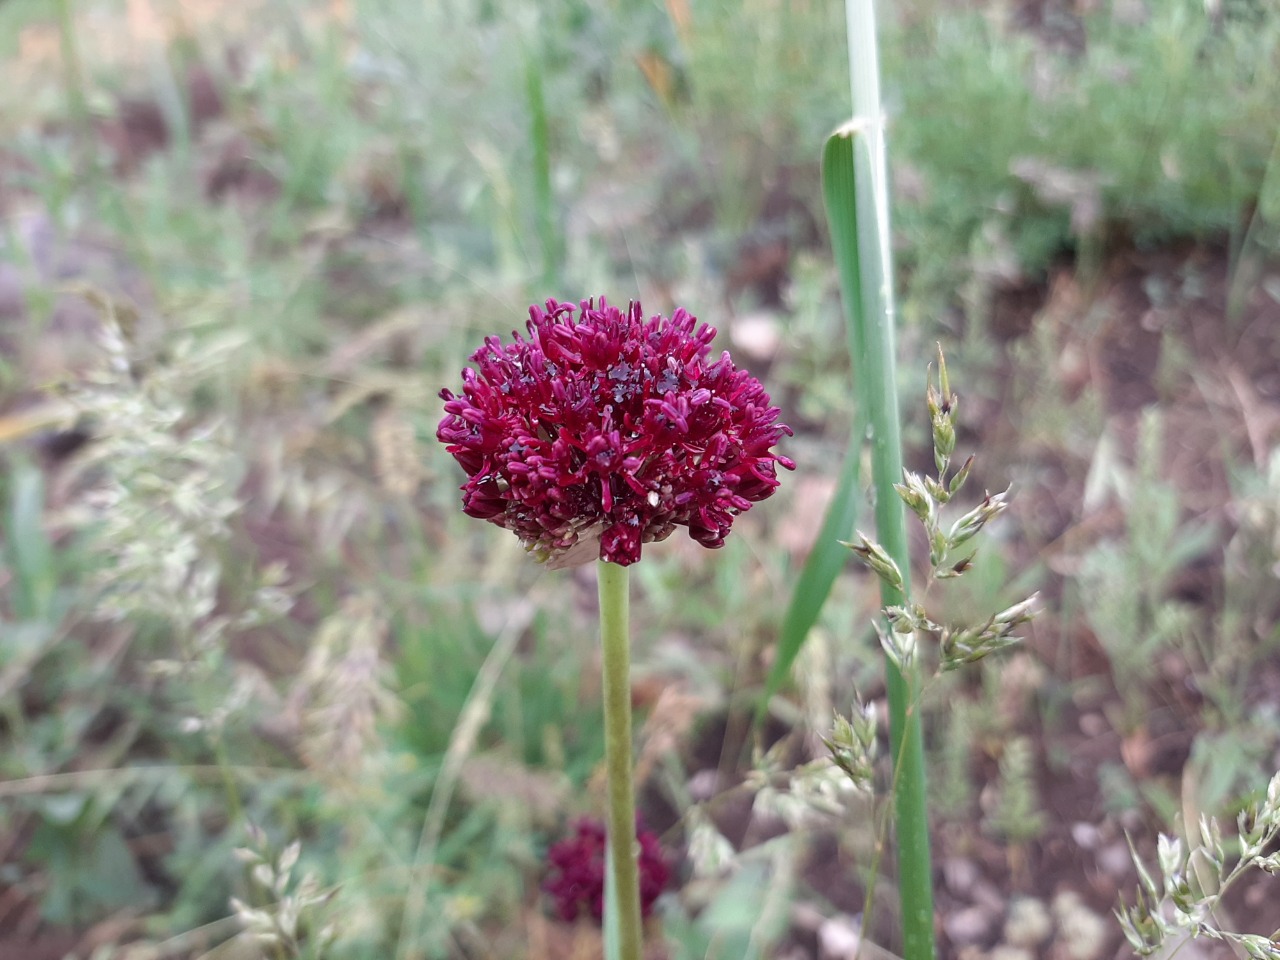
x=603 y=427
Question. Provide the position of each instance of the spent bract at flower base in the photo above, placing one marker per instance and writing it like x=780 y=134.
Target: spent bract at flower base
x=604 y=427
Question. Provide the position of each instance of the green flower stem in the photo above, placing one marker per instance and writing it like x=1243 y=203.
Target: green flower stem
x=615 y=639
x=543 y=192
x=855 y=188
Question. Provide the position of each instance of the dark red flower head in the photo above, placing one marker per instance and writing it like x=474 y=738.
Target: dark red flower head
x=575 y=878
x=612 y=428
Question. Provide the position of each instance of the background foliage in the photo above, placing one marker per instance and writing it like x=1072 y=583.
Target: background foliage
x=244 y=246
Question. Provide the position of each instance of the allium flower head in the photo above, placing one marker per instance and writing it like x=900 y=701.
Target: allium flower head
x=575 y=880
x=606 y=428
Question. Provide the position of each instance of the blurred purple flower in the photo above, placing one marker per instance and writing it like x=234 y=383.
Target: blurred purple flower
x=575 y=880
x=610 y=427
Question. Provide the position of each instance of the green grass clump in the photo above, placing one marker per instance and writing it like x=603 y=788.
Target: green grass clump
x=1150 y=131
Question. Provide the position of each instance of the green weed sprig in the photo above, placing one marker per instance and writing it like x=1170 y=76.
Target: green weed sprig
x=294 y=902
x=926 y=497
x=906 y=624
x=1195 y=877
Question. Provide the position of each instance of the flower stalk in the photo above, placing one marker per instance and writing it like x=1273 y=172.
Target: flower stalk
x=598 y=433
x=614 y=602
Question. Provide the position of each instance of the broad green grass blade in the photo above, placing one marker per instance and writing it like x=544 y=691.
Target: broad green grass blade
x=842 y=203
x=825 y=561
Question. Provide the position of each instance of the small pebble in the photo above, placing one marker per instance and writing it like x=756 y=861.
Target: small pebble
x=1081 y=932
x=968 y=925
x=704 y=785
x=839 y=938
x=1086 y=835
x=756 y=334
x=959 y=873
x=1028 y=923
x=988 y=896
x=1115 y=859
x=1005 y=951
x=1093 y=724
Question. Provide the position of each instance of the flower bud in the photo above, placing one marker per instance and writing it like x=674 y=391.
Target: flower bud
x=916 y=496
x=1019 y=613
x=900 y=648
x=958 y=480
x=964 y=529
x=878 y=559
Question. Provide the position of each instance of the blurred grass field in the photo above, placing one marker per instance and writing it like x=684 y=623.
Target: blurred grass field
x=242 y=248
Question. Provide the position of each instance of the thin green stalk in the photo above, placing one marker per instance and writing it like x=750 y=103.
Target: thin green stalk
x=76 y=99
x=105 y=196
x=855 y=187
x=614 y=600
x=543 y=193
x=1248 y=260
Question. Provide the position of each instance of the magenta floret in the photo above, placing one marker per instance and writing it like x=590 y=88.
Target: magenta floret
x=576 y=865
x=608 y=427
